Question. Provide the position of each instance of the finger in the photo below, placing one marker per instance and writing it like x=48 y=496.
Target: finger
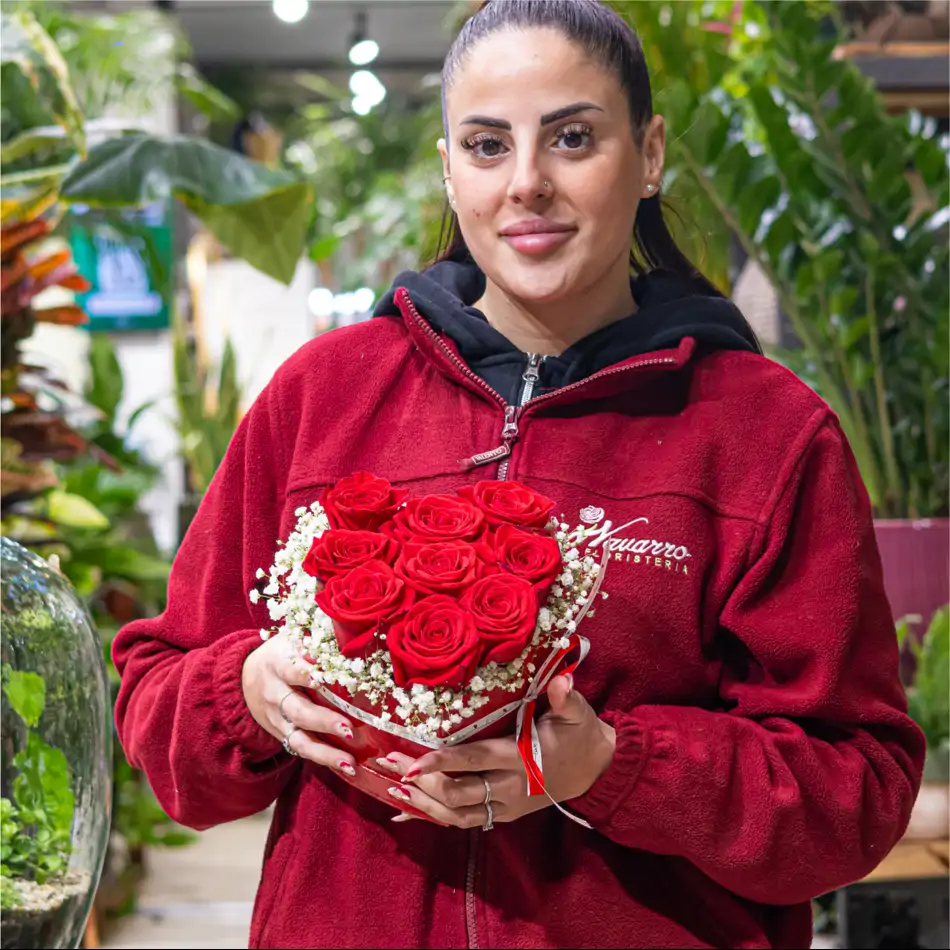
x=319 y=752
x=300 y=711
x=487 y=756
x=290 y=668
x=470 y=816
x=566 y=702
x=396 y=762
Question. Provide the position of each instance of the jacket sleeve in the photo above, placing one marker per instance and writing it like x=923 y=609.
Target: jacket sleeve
x=806 y=777
x=180 y=712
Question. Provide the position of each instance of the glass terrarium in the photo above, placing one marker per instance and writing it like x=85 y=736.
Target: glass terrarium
x=56 y=772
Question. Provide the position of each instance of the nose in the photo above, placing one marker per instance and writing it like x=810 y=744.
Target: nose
x=528 y=184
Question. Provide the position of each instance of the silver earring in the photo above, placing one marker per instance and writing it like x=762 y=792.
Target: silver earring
x=651 y=188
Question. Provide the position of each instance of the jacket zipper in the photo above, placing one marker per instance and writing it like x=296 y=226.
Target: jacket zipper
x=471 y=920
x=509 y=434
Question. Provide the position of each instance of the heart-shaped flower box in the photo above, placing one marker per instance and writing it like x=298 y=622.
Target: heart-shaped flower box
x=431 y=621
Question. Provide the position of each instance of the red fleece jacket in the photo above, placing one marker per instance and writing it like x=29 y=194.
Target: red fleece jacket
x=746 y=658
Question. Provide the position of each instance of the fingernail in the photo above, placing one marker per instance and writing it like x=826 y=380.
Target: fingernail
x=346 y=767
x=402 y=816
x=345 y=730
x=400 y=793
x=570 y=681
x=386 y=763
x=413 y=773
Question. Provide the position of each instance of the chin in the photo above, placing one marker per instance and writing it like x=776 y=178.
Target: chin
x=538 y=280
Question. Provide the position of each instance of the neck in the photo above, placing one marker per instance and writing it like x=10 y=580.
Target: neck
x=551 y=327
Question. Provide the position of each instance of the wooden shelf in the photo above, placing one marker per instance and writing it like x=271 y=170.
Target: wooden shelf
x=864 y=48
x=908 y=75
x=912 y=861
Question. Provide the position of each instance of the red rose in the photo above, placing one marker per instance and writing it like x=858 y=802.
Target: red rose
x=362 y=502
x=443 y=567
x=359 y=601
x=437 y=518
x=535 y=557
x=510 y=503
x=505 y=609
x=340 y=550
x=435 y=644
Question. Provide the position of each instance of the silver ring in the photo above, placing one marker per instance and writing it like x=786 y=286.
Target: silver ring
x=490 y=820
x=280 y=706
x=487 y=791
x=286 y=742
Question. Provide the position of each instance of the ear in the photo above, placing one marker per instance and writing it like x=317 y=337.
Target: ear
x=446 y=170
x=654 y=151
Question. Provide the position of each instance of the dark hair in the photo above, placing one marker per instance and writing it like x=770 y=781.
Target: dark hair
x=606 y=37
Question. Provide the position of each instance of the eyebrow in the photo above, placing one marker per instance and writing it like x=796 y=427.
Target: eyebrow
x=547 y=119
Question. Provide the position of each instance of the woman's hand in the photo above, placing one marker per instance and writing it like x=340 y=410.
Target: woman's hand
x=270 y=681
x=576 y=750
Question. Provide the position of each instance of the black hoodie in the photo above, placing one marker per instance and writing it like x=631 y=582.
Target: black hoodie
x=669 y=310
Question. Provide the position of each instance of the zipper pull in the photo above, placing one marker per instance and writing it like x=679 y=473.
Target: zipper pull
x=510 y=431
x=509 y=434
x=531 y=375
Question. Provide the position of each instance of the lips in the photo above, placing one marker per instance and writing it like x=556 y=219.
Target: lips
x=535 y=226
x=537 y=235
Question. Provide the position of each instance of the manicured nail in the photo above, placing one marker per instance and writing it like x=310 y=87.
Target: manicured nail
x=387 y=764
x=346 y=767
x=402 y=816
x=413 y=773
x=570 y=681
x=400 y=793
x=345 y=730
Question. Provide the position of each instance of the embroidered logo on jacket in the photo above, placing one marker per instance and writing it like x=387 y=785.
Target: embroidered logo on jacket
x=651 y=552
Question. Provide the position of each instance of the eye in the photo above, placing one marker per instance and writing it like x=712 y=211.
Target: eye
x=484 y=145
x=575 y=137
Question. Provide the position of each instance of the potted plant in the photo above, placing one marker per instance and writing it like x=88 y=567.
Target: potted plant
x=928 y=700
x=844 y=209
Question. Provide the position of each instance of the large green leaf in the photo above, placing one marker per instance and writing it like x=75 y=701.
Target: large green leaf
x=27 y=46
x=261 y=214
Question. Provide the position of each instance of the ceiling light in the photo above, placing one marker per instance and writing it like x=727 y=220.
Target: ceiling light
x=367 y=91
x=364 y=52
x=291 y=11
x=320 y=301
x=362 y=49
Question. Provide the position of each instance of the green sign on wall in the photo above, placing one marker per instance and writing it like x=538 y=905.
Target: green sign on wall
x=128 y=266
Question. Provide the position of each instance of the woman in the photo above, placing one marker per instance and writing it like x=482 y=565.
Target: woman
x=737 y=737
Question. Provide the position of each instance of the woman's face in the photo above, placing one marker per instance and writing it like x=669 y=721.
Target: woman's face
x=540 y=141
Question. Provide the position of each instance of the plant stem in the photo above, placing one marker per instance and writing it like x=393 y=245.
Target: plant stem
x=892 y=494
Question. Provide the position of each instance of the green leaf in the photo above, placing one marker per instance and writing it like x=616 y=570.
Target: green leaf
x=32 y=175
x=119 y=560
x=30 y=141
x=260 y=214
x=25 y=44
x=43 y=782
x=204 y=97
x=26 y=693
x=74 y=511
x=104 y=389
